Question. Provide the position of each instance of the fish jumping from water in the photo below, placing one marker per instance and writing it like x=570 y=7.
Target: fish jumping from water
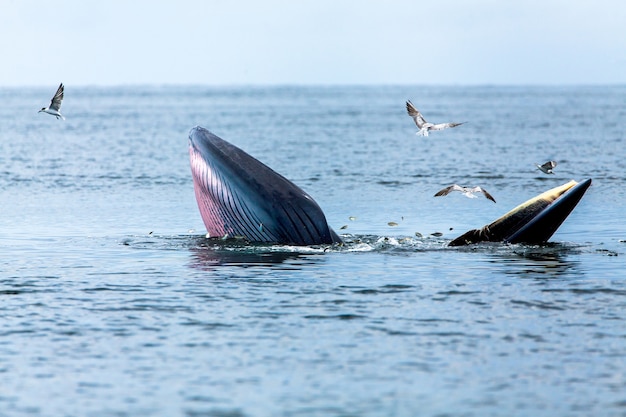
x=467 y=191
x=422 y=124
x=546 y=167
x=55 y=104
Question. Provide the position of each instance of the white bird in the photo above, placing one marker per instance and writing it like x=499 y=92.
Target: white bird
x=546 y=167
x=467 y=191
x=55 y=104
x=423 y=125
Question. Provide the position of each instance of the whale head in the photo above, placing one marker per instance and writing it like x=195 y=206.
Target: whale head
x=240 y=196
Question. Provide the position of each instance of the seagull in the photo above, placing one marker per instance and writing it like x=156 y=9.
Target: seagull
x=55 y=104
x=467 y=191
x=423 y=125
x=546 y=168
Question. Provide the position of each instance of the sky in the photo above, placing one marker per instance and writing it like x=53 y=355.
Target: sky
x=312 y=42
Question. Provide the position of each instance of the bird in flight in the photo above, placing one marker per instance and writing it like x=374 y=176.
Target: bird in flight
x=55 y=104
x=467 y=191
x=546 y=167
x=422 y=124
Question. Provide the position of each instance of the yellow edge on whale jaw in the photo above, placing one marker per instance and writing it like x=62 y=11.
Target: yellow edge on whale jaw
x=548 y=196
x=499 y=229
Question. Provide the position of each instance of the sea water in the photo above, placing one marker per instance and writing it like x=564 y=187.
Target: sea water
x=114 y=303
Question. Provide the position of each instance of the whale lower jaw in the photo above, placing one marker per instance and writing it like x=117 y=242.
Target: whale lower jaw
x=532 y=222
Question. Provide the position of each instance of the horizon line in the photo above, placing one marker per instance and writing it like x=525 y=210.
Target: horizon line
x=321 y=85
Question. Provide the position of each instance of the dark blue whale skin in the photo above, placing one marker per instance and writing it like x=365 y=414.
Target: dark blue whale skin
x=239 y=196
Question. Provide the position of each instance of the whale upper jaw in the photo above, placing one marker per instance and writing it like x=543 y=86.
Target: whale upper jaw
x=532 y=222
x=238 y=196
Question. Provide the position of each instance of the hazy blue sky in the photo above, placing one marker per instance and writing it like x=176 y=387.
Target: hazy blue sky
x=217 y=42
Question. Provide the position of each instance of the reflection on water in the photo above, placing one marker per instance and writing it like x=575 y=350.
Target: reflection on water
x=207 y=254
x=551 y=260
x=207 y=258
x=538 y=261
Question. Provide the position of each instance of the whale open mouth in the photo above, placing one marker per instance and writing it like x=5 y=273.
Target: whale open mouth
x=533 y=221
x=239 y=196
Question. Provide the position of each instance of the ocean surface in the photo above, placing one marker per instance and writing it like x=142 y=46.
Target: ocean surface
x=114 y=303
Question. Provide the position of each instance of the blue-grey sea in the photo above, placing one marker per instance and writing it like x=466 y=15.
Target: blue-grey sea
x=114 y=303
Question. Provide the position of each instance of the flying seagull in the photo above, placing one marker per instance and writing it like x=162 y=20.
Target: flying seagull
x=467 y=191
x=547 y=167
x=55 y=104
x=423 y=125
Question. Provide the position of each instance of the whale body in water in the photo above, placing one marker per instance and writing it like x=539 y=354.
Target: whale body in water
x=239 y=196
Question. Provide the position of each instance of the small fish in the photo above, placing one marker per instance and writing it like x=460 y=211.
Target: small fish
x=392 y=224
x=467 y=191
x=422 y=124
x=436 y=234
x=418 y=234
x=546 y=167
x=345 y=226
x=352 y=218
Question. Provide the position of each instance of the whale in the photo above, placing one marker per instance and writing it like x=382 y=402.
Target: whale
x=532 y=222
x=240 y=197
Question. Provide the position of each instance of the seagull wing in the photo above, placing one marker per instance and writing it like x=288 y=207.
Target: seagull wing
x=415 y=114
x=546 y=167
x=489 y=196
x=448 y=189
x=549 y=165
x=441 y=126
x=55 y=103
